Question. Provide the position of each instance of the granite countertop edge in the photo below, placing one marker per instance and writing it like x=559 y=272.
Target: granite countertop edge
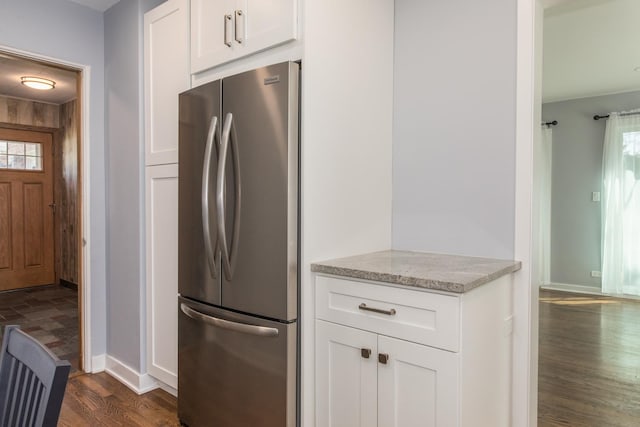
x=414 y=281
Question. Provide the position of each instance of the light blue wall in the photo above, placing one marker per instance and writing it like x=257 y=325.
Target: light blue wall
x=454 y=127
x=124 y=126
x=576 y=173
x=68 y=32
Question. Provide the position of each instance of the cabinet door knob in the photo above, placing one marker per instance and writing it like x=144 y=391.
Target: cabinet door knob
x=383 y=358
x=365 y=352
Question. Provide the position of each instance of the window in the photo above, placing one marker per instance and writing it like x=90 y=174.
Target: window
x=631 y=153
x=631 y=143
x=21 y=155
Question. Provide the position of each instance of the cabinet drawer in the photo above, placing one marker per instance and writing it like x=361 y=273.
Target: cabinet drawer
x=422 y=317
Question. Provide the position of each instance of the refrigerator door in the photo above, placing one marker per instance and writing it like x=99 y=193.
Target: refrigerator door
x=235 y=370
x=259 y=232
x=199 y=136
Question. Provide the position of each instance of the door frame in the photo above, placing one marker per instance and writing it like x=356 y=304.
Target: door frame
x=84 y=145
x=525 y=294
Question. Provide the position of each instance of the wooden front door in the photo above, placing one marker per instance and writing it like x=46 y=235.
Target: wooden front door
x=26 y=209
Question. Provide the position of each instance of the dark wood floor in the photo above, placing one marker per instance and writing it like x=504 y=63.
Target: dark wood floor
x=589 y=372
x=101 y=400
x=589 y=361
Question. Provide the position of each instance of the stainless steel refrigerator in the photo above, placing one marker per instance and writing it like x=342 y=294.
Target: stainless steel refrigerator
x=238 y=250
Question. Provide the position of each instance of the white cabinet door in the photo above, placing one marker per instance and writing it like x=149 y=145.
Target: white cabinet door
x=225 y=30
x=166 y=72
x=209 y=20
x=346 y=371
x=162 y=272
x=417 y=386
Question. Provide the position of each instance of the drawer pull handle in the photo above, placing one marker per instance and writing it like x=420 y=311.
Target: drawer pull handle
x=383 y=358
x=390 y=312
x=365 y=352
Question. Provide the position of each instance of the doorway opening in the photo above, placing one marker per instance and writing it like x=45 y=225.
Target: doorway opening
x=41 y=277
x=584 y=335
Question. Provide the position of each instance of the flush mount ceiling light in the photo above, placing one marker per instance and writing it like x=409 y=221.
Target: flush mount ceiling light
x=37 y=83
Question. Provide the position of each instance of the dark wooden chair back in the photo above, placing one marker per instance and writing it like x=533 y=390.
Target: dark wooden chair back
x=32 y=381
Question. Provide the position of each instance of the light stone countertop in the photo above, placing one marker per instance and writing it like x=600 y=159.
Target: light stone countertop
x=451 y=273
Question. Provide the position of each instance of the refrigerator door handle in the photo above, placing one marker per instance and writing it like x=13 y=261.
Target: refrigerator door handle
x=229 y=136
x=244 y=328
x=209 y=246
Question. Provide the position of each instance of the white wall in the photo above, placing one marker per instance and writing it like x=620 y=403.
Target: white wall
x=346 y=145
x=72 y=33
x=454 y=127
x=124 y=125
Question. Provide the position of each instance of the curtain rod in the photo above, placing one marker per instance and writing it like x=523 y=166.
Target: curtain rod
x=553 y=123
x=598 y=117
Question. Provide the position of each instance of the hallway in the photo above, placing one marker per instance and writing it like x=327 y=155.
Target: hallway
x=49 y=314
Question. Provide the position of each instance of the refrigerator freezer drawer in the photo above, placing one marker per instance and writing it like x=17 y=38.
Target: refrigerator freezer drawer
x=234 y=369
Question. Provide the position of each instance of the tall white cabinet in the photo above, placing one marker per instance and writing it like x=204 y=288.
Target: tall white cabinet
x=161 y=190
x=346 y=50
x=166 y=71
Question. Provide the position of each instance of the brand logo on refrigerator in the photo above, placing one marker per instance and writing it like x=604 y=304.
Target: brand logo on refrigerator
x=271 y=80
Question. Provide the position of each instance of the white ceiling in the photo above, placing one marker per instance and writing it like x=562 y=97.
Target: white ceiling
x=591 y=47
x=12 y=68
x=100 y=5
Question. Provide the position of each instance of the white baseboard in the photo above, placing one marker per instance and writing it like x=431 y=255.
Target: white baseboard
x=139 y=383
x=172 y=391
x=579 y=289
x=98 y=364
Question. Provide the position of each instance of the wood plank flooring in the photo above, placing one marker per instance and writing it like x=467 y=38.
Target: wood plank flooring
x=101 y=400
x=589 y=372
x=589 y=361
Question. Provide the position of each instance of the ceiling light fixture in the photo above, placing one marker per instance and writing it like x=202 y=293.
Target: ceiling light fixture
x=37 y=83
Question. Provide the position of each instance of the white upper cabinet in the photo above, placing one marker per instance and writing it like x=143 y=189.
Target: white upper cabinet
x=225 y=30
x=166 y=70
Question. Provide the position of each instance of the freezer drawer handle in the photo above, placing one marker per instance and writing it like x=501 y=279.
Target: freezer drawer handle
x=244 y=328
x=390 y=312
x=209 y=246
x=228 y=252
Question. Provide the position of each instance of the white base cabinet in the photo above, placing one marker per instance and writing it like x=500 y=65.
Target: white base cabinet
x=347 y=382
x=417 y=385
x=372 y=380
x=366 y=376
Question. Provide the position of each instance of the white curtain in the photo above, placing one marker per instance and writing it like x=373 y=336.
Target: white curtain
x=621 y=205
x=543 y=194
